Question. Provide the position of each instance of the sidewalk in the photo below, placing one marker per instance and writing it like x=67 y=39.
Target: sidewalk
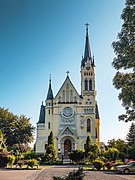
x=18 y=174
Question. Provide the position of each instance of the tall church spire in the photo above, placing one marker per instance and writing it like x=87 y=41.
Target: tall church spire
x=87 y=52
x=50 y=92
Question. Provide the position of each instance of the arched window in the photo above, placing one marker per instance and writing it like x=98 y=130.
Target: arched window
x=90 y=85
x=88 y=125
x=86 y=84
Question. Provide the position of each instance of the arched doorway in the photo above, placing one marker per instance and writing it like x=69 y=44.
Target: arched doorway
x=67 y=147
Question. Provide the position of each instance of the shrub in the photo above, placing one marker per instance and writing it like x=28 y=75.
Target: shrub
x=20 y=163
x=30 y=155
x=3 y=159
x=118 y=162
x=11 y=160
x=109 y=165
x=32 y=162
x=98 y=164
x=112 y=153
x=77 y=155
x=73 y=175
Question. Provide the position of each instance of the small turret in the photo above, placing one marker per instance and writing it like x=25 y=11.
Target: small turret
x=42 y=114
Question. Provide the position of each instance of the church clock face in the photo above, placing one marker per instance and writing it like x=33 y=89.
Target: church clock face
x=67 y=111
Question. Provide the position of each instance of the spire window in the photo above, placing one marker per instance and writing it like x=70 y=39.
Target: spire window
x=90 y=85
x=88 y=125
x=86 y=84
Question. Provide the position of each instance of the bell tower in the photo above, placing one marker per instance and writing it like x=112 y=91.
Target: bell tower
x=87 y=70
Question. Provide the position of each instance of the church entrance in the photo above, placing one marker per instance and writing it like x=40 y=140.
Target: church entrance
x=67 y=147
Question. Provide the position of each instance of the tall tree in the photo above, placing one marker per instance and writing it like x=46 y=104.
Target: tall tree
x=124 y=62
x=51 y=139
x=131 y=135
x=17 y=129
x=88 y=144
x=50 y=148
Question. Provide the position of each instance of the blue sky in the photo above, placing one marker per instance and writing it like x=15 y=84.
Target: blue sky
x=42 y=37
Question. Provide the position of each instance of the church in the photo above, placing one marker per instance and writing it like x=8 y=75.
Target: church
x=69 y=115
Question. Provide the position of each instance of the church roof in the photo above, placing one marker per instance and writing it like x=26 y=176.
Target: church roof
x=42 y=114
x=50 y=92
x=67 y=79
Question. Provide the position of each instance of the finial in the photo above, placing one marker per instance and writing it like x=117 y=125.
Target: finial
x=67 y=73
x=49 y=77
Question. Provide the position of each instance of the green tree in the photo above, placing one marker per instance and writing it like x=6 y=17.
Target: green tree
x=50 y=148
x=124 y=62
x=111 y=143
x=88 y=144
x=51 y=139
x=131 y=135
x=17 y=129
x=2 y=142
x=131 y=152
x=121 y=146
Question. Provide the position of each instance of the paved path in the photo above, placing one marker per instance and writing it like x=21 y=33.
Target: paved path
x=48 y=173
x=18 y=174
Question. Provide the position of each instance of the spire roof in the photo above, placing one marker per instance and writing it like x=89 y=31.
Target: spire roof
x=50 y=92
x=87 y=52
x=42 y=114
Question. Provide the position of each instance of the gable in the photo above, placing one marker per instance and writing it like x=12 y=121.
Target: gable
x=67 y=131
x=67 y=93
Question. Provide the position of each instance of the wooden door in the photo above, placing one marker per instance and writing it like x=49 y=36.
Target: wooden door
x=67 y=147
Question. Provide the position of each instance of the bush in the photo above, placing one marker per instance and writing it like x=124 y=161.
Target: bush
x=30 y=155
x=109 y=165
x=20 y=163
x=3 y=159
x=98 y=164
x=11 y=160
x=73 y=175
x=32 y=162
x=77 y=155
x=118 y=162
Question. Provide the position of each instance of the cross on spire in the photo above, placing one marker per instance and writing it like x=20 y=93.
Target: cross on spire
x=67 y=73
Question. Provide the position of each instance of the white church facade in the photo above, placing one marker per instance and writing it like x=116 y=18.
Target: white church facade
x=69 y=115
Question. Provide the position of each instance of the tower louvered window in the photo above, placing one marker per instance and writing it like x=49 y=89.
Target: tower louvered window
x=86 y=84
x=90 y=85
